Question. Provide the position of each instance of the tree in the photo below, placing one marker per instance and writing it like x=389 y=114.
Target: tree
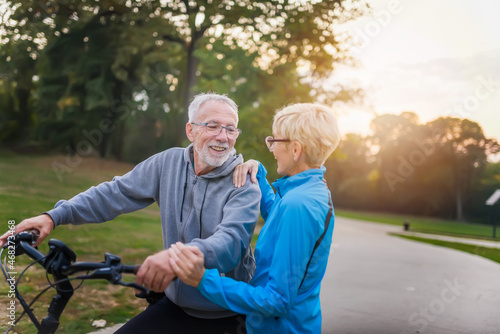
x=351 y=174
x=475 y=207
x=18 y=55
x=118 y=48
x=464 y=149
x=432 y=168
x=393 y=139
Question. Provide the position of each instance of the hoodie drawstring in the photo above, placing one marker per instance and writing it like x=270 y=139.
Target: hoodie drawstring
x=185 y=186
x=201 y=209
x=184 y=197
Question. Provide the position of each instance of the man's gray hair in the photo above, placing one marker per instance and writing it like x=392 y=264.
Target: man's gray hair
x=194 y=106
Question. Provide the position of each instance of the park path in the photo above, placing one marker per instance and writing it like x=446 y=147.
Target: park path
x=381 y=284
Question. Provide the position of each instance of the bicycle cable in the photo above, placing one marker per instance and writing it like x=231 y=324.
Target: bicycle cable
x=67 y=279
x=18 y=294
x=29 y=307
x=16 y=290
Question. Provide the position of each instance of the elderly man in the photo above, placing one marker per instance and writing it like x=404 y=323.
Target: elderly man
x=199 y=206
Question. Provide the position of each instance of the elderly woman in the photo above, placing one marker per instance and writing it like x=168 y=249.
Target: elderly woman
x=294 y=244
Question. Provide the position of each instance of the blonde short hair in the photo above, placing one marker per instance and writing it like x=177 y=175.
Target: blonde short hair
x=313 y=125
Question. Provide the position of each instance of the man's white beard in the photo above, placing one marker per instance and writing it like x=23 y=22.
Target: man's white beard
x=205 y=156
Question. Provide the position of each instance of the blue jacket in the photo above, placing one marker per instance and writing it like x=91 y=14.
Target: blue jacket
x=295 y=220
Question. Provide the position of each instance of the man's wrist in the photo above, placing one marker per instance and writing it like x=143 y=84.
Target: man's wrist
x=51 y=219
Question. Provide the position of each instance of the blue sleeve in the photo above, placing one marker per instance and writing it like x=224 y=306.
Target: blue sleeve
x=292 y=247
x=131 y=192
x=267 y=192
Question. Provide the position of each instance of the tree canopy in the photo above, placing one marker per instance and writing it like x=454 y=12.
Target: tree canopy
x=70 y=66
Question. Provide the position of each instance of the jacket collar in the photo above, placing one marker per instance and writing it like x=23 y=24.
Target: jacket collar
x=286 y=183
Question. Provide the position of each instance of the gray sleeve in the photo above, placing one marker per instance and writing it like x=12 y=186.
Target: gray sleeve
x=130 y=192
x=226 y=247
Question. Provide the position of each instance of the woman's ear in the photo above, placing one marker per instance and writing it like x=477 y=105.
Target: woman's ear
x=190 y=132
x=296 y=150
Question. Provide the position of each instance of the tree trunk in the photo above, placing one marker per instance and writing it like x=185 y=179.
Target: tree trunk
x=190 y=81
x=118 y=139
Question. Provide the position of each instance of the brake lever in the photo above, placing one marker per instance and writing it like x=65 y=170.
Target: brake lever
x=109 y=274
x=144 y=291
x=114 y=276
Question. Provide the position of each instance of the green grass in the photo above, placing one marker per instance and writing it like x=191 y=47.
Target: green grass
x=30 y=186
x=486 y=252
x=425 y=225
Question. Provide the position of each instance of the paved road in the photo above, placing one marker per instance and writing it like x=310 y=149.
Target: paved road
x=379 y=284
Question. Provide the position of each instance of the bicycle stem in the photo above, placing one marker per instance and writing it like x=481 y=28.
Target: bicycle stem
x=64 y=292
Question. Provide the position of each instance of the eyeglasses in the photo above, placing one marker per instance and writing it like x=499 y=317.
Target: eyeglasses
x=270 y=141
x=215 y=129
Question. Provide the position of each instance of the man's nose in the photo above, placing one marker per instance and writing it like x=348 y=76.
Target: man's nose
x=222 y=136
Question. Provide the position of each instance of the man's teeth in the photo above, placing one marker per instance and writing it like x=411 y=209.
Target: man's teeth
x=218 y=148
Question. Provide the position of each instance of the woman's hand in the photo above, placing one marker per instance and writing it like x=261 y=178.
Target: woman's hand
x=188 y=263
x=241 y=171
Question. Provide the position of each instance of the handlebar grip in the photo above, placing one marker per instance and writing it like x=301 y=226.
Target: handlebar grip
x=131 y=269
x=29 y=236
x=23 y=242
x=136 y=268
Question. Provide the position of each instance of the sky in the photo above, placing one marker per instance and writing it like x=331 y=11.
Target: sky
x=433 y=57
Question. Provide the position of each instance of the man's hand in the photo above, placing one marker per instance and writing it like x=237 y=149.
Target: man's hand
x=188 y=263
x=241 y=171
x=43 y=223
x=155 y=273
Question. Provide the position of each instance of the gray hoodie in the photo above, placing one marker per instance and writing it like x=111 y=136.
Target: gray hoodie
x=206 y=211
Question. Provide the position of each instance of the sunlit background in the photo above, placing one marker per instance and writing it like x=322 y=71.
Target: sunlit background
x=89 y=88
x=435 y=58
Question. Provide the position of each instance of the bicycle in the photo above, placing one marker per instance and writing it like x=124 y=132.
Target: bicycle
x=60 y=262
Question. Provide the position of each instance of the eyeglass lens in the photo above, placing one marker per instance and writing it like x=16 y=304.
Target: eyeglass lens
x=215 y=129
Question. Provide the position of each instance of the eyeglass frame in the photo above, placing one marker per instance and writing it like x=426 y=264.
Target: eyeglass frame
x=237 y=131
x=270 y=140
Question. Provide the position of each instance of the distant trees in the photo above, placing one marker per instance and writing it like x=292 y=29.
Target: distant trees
x=439 y=168
x=111 y=76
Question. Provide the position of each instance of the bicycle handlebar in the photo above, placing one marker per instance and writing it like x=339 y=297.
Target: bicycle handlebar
x=23 y=243
x=60 y=262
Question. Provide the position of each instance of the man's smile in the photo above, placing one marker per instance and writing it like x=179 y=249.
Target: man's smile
x=218 y=148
